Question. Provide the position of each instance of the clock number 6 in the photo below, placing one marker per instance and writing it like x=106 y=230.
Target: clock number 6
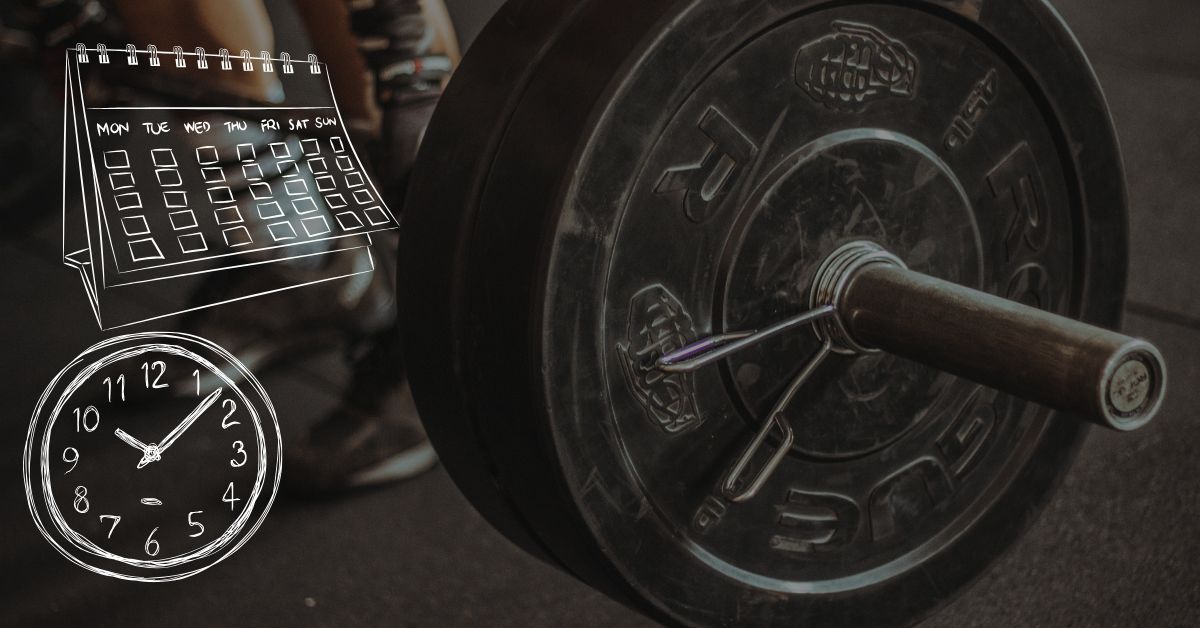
x=195 y=524
x=81 y=419
x=151 y=541
x=240 y=448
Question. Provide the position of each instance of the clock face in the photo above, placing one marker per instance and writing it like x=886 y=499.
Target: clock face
x=152 y=457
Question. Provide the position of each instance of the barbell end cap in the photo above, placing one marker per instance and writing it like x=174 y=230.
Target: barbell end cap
x=1135 y=384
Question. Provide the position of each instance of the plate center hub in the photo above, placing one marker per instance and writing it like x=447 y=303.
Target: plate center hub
x=859 y=185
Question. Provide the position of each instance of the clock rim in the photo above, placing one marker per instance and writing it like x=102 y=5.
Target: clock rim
x=81 y=542
x=271 y=451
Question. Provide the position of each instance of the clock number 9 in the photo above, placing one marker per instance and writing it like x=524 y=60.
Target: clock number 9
x=71 y=456
x=81 y=419
x=240 y=448
x=81 y=501
x=151 y=541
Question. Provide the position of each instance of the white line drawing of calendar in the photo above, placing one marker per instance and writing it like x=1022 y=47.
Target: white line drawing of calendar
x=158 y=195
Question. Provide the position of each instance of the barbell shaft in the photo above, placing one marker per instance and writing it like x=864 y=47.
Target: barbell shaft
x=1095 y=374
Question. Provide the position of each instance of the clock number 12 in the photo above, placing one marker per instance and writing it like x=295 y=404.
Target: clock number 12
x=160 y=367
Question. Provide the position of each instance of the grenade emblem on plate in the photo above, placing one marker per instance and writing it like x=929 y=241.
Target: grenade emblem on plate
x=659 y=325
x=854 y=66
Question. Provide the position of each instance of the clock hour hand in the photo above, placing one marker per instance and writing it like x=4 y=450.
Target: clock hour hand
x=131 y=441
x=149 y=452
x=187 y=422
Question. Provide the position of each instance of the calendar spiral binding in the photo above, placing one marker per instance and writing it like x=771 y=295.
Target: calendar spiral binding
x=264 y=62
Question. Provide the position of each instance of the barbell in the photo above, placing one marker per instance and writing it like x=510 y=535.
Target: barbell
x=770 y=312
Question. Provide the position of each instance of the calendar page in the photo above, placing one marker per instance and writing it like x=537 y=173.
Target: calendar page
x=174 y=204
x=173 y=191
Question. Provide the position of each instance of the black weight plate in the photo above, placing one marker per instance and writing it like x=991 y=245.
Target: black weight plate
x=607 y=180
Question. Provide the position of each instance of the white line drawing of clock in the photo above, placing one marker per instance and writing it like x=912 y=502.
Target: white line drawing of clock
x=128 y=478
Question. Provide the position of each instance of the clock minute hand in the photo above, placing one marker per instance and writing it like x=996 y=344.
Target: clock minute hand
x=191 y=418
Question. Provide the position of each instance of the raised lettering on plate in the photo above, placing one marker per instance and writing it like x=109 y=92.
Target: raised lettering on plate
x=966 y=438
x=815 y=522
x=972 y=112
x=1017 y=183
x=708 y=515
x=903 y=499
x=1030 y=284
x=702 y=187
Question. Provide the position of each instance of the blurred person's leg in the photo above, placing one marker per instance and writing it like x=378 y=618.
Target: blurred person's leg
x=345 y=33
x=320 y=317
x=375 y=435
x=379 y=52
x=31 y=41
x=328 y=25
x=387 y=62
x=212 y=25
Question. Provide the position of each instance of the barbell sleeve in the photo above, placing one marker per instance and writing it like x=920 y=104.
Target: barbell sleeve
x=1080 y=369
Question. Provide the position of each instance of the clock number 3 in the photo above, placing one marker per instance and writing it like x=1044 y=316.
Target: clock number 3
x=159 y=367
x=240 y=448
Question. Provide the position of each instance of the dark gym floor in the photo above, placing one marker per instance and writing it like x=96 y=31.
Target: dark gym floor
x=1119 y=546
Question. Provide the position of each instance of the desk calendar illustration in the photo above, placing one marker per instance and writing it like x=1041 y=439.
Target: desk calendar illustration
x=158 y=195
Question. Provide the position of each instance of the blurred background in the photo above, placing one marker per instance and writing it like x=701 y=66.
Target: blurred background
x=1119 y=545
